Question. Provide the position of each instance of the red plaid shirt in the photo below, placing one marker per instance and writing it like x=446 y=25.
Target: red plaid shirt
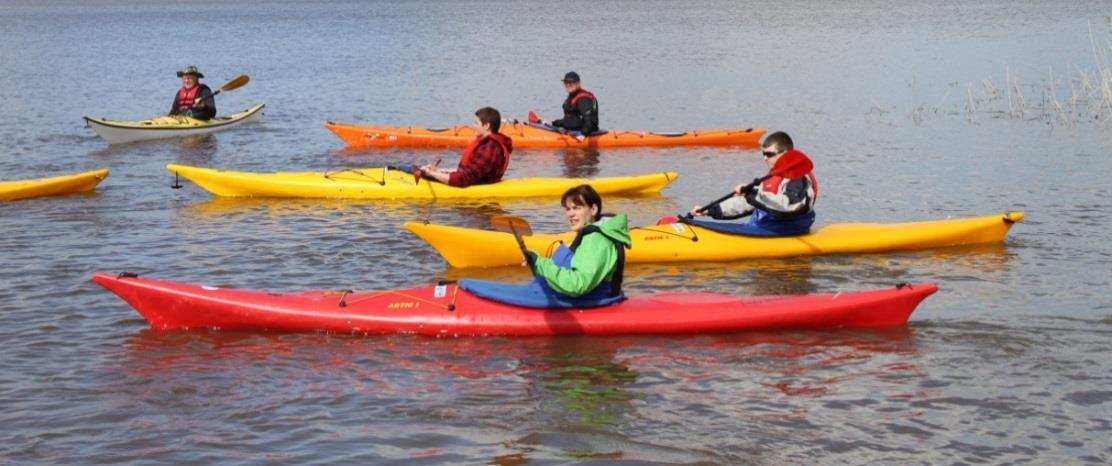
x=484 y=166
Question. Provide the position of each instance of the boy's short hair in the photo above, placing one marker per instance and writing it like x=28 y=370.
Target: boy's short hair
x=491 y=117
x=779 y=139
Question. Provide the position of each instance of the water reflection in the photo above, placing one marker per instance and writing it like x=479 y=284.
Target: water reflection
x=568 y=397
x=198 y=150
x=581 y=163
x=475 y=213
x=758 y=277
x=190 y=150
x=580 y=383
x=792 y=360
x=976 y=258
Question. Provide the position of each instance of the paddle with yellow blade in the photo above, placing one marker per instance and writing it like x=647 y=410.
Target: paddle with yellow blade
x=518 y=227
x=235 y=83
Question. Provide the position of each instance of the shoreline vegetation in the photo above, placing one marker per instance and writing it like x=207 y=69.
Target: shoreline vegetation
x=1079 y=96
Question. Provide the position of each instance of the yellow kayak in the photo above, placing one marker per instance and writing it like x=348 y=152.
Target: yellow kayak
x=382 y=183
x=678 y=242
x=68 y=184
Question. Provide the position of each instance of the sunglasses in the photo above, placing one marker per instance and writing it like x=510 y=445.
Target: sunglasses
x=768 y=154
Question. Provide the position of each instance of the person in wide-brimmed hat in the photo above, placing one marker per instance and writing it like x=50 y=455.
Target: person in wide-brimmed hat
x=193 y=99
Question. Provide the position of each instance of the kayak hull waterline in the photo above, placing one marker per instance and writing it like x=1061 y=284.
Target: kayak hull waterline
x=449 y=311
x=55 y=186
x=379 y=183
x=119 y=132
x=525 y=136
x=465 y=247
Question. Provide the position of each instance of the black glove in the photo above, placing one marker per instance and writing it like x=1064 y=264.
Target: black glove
x=531 y=259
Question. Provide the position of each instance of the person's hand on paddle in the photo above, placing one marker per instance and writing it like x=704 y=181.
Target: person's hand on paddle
x=696 y=211
x=434 y=172
x=433 y=169
x=530 y=259
x=741 y=188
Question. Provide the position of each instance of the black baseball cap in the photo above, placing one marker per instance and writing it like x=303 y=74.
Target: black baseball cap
x=571 y=77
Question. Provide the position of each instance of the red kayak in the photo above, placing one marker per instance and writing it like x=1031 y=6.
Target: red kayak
x=448 y=310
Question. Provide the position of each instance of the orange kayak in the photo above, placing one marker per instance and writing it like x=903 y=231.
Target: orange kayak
x=525 y=135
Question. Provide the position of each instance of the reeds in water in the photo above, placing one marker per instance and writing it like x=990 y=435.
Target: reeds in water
x=1079 y=95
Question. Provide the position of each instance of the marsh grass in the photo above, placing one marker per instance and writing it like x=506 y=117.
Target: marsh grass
x=1066 y=97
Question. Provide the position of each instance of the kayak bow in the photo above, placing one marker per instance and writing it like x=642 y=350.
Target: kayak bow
x=55 y=186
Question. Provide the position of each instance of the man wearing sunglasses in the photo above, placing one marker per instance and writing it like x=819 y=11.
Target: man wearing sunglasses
x=778 y=206
x=580 y=108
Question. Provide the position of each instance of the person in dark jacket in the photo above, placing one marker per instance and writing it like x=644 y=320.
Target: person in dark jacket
x=486 y=158
x=580 y=108
x=193 y=99
x=779 y=206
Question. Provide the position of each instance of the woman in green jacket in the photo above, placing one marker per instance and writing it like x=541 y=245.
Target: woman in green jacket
x=591 y=267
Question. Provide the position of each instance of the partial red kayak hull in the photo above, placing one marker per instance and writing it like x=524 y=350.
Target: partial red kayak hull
x=450 y=311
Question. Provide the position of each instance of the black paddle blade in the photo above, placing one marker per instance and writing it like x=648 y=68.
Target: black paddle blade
x=513 y=225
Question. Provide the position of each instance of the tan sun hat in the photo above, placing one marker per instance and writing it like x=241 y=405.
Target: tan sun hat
x=190 y=70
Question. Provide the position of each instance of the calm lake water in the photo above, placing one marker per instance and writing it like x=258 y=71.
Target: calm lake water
x=912 y=111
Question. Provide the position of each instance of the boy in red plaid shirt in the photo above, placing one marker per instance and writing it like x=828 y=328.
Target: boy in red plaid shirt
x=486 y=158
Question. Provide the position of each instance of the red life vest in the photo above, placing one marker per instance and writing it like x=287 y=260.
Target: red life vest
x=579 y=95
x=772 y=185
x=475 y=143
x=186 y=97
